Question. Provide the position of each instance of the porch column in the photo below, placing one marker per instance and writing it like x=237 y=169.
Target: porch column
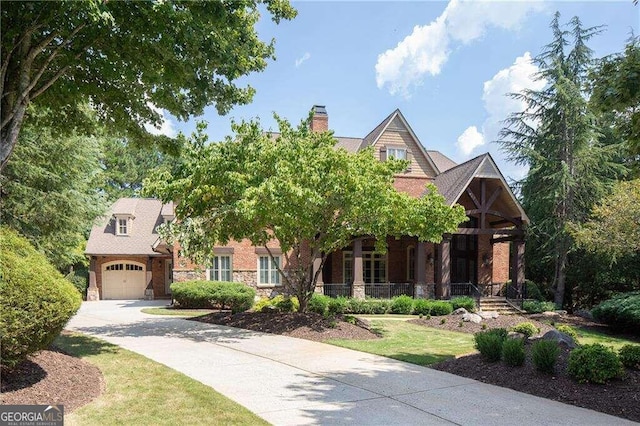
x=517 y=266
x=443 y=269
x=148 y=292
x=421 y=270
x=357 y=288
x=93 y=293
x=317 y=264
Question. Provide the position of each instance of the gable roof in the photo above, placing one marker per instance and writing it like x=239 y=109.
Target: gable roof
x=442 y=162
x=142 y=236
x=453 y=182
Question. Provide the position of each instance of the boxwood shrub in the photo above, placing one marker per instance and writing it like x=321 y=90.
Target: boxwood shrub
x=402 y=305
x=213 y=294
x=464 y=302
x=337 y=305
x=526 y=328
x=621 y=311
x=489 y=343
x=279 y=303
x=422 y=307
x=545 y=355
x=513 y=352
x=441 y=307
x=594 y=363
x=35 y=300
x=630 y=356
x=535 y=307
x=318 y=303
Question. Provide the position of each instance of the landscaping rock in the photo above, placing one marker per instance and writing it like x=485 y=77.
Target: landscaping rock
x=488 y=314
x=516 y=335
x=560 y=337
x=477 y=319
x=551 y=315
x=584 y=314
x=460 y=311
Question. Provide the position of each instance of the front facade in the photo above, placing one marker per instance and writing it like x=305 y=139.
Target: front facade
x=486 y=251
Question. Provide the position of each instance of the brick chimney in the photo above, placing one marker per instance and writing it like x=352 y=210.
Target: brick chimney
x=320 y=120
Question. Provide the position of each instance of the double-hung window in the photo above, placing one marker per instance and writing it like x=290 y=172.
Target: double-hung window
x=397 y=153
x=221 y=268
x=122 y=226
x=268 y=270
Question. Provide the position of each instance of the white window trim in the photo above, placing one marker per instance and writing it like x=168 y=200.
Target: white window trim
x=127 y=225
x=209 y=271
x=365 y=260
x=270 y=271
x=391 y=149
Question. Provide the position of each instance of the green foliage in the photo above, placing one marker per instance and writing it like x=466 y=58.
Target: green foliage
x=80 y=282
x=319 y=303
x=379 y=306
x=594 y=363
x=569 y=168
x=35 y=300
x=513 y=352
x=252 y=182
x=209 y=294
x=630 y=356
x=130 y=59
x=531 y=288
x=621 y=311
x=535 y=307
x=567 y=329
x=422 y=306
x=48 y=192
x=337 y=305
x=359 y=306
x=489 y=344
x=464 y=302
x=526 y=328
x=402 y=305
x=350 y=319
x=279 y=303
x=545 y=355
x=441 y=307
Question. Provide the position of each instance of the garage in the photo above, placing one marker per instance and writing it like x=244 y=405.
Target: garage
x=123 y=280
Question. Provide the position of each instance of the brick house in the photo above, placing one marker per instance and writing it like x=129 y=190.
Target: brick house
x=487 y=249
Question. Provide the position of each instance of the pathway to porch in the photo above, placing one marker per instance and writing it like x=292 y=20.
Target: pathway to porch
x=290 y=381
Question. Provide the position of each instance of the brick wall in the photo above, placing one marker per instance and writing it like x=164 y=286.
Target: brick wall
x=500 y=262
x=413 y=186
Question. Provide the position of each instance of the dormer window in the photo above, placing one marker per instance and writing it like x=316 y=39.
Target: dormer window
x=123 y=226
x=397 y=153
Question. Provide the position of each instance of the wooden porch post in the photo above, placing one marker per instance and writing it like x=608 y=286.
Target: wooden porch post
x=317 y=263
x=357 y=288
x=443 y=268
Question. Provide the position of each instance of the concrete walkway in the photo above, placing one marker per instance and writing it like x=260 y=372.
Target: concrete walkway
x=291 y=381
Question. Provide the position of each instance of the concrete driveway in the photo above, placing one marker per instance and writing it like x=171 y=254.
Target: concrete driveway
x=290 y=381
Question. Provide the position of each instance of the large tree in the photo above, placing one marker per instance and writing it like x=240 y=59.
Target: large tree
x=128 y=58
x=295 y=188
x=49 y=191
x=557 y=137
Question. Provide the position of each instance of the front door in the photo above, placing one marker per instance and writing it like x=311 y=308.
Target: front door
x=464 y=259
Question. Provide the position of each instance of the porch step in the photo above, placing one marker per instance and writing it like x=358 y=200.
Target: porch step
x=499 y=305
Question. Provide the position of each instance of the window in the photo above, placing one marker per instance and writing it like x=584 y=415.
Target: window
x=268 y=270
x=397 y=153
x=123 y=267
x=411 y=263
x=221 y=269
x=374 y=267
x=122 y=227
x=347 y=267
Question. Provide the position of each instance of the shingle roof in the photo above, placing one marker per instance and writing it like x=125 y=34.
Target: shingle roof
x=142 y=235
x=453 y=181
x=442 y=162
x=375 y=133
x=351 y=145
x=125 y=206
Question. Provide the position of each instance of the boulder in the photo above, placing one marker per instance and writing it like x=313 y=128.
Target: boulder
x=551 y=315
x=560 y=337
x=474 y=318
x=488 y=314
x=460 y=311
x=516 y=335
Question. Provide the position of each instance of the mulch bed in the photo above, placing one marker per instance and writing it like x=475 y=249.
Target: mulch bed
x=453 y=323
x=308 y=326
x=51 y=377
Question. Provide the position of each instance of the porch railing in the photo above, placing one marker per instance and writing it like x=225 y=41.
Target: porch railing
x=335 y=290
x=388 y=290
x=514 y=295
x=466 y=289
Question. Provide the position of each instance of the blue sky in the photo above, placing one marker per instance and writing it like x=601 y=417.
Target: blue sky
x=446 y=65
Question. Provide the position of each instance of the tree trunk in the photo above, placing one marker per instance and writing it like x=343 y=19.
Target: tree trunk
x=560 y=274
x=10 y=137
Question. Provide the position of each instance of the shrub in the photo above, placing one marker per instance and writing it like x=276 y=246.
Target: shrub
x=286 y=304
x=318 y=303
x=526 y=328
x=441 y=307
x=262 y=304
x=422 y=307
x=594 y=363
x=358 y=306
x=337 y=305
x=489 y=344
x=350 y=319
x=513 y=352
x=402 y=305
x=35 y=300
x=532 y=290
x=567 y=329
x=464 y=302
x=379 y=306
x=211 y=294
x=630 y=356
x=545 y=355
x=80 y=282
x=534 y=307
x=621 y=311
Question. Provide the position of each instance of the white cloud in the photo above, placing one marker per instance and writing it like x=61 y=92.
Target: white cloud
x=166 y=128
x=427 y=48
x=303 y=59
x=469 y=140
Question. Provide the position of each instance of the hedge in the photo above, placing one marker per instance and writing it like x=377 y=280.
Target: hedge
x=621 y=311
x=213 y=294
x=36 y=301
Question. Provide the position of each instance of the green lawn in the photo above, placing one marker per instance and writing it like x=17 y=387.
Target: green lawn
x=143 y=392
x=411 y=343
x=588 y=336
x=176 y=312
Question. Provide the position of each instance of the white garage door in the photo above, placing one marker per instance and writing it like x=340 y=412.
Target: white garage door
x=123 y=281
